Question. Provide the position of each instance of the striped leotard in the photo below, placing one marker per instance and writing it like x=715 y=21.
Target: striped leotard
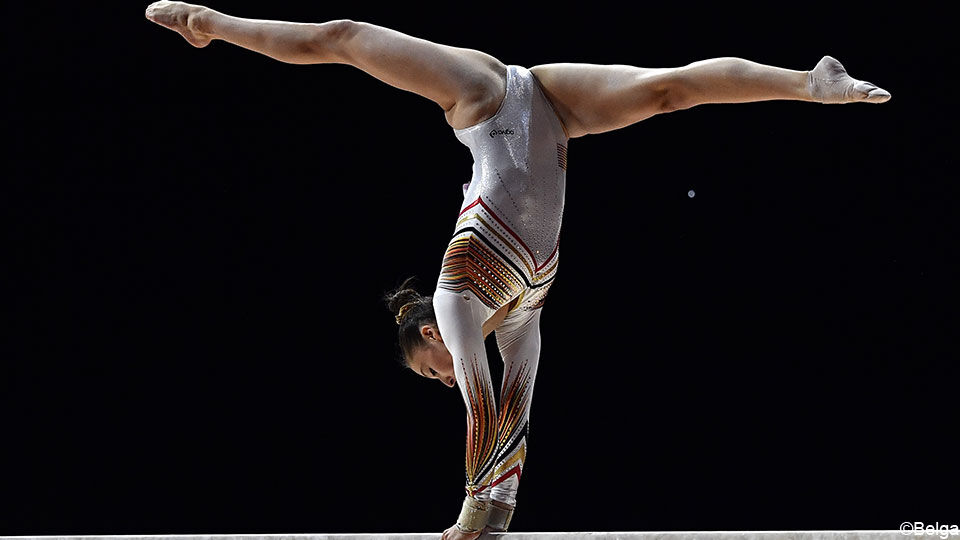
x=506 y=238
x=504 y=251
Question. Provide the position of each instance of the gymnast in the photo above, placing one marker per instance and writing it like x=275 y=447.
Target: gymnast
x=503 y=255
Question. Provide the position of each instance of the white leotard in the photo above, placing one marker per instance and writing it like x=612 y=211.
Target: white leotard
x=513 y=206
x=504 y=250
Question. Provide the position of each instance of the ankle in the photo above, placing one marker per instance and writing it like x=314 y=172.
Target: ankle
x=808 y=93
x=200 y=21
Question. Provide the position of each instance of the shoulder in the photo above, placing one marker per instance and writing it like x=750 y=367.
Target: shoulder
x=481 y=98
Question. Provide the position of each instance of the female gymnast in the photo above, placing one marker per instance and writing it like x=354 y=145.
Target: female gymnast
x=503 y=255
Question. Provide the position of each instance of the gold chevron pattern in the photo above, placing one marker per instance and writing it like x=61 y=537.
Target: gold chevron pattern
x=469 y=265
x=514 y=401
x=481 y=431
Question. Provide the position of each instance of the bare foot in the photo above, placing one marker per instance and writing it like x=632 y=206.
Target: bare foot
x=180 y=17
x=829 y=83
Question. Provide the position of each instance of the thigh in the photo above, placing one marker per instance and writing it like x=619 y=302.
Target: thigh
x=593 y=98
x=468 y=84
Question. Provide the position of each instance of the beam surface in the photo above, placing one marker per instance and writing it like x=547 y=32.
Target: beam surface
x=671 y=535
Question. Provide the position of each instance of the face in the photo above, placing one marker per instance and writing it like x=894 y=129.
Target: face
x=433 y=360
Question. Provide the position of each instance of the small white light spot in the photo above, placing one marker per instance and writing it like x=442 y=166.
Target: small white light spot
x=691 y=193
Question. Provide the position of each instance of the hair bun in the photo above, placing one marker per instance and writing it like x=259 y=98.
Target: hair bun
x=402 y=295
x=411 y=310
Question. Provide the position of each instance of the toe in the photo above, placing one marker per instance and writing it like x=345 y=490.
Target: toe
x=861 y=89
x=878 y=95
x=152 y=9
x=870 y=92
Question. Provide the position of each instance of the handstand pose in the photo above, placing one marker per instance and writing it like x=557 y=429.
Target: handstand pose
x=504 y=252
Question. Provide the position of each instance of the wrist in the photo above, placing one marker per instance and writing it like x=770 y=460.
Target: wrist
x=500 y=515
x=473 y=515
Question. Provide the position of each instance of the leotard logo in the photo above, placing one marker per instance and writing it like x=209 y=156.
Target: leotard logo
x=496 y=132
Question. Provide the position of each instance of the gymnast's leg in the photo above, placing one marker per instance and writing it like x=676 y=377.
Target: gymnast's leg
x=597 y=98
x=468 y=84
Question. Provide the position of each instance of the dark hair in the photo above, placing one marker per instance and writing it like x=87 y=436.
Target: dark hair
x=418 y=314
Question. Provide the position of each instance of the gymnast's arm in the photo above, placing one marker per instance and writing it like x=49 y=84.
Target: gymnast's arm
x=466 y=83
x=519 y=344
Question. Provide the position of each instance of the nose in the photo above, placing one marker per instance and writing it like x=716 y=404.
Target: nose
x=449 y=381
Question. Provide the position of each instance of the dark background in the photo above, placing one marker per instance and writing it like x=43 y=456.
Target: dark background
x=200 y=240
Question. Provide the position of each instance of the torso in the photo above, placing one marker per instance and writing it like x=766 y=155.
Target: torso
x=505 y=244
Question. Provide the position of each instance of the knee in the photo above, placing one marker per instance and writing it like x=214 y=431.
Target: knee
x=674 y=102
x=331 y=38
x=675 y=96
x=674 y=93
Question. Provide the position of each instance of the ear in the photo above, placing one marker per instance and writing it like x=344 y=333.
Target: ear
x=430 y=332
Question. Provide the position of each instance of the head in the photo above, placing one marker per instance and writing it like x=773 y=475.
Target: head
x=418 y=336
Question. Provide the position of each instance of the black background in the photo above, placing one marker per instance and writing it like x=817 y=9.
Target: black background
x=200 y=240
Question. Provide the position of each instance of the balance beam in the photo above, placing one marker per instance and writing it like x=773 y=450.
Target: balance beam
x=674 y=535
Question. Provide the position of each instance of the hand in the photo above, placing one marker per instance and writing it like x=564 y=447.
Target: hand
x=453 y=533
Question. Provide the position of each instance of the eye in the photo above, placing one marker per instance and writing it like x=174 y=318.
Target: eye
x=433 y=372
